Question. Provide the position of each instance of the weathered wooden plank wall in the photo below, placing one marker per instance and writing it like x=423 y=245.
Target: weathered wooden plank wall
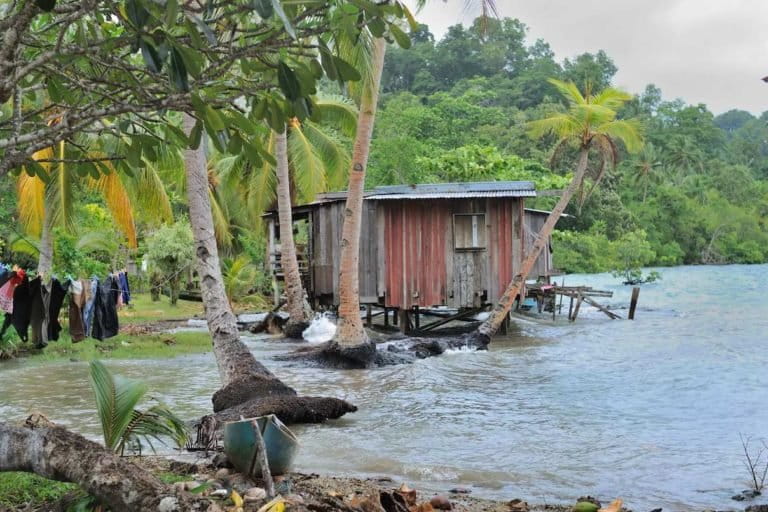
x=327 y=223
x=533 y=224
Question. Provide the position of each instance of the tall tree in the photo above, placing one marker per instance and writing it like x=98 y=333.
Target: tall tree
x=351 y=342
x=294 y=290
x=590 y=123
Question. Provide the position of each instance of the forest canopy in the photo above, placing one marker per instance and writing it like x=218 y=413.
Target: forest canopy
x=456 y=108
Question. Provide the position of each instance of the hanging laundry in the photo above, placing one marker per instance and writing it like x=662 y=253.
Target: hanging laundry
x=88 y=314
x=38 y=314
x=54 y=300
x=111 y=291
x=5 y=275
x=21 y=308
x=77 y=298
x=125 y=288
x=6 y=291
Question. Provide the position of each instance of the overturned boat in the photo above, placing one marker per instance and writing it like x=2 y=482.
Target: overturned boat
x=241 y=446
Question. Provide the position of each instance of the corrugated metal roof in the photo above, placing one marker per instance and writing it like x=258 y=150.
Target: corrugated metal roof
x=455 y=190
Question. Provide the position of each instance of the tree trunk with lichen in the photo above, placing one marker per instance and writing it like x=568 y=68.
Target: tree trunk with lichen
x=245 y=382
x=57 y=454
x=294 y=291
x=500 y=311
x=351 y=344
x=45 y=258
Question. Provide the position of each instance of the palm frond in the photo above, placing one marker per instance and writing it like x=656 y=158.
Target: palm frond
x=334 y=155
x=117 y=200
x=154 y=423
x=95 y=240
x=116 y=399
x=150 y=194
x=306 y=165
x=221 y=224
x=628 y=131
x=569 y=90
x=561 y=125
x=59 y=192
x=339 y=112
x=611 y=98
x=31 y=195
x=261 y=185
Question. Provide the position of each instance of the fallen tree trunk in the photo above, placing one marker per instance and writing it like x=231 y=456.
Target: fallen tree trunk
x=56 y=453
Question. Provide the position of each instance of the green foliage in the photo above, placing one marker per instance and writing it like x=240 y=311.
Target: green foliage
x=633 y=251
x=239 y=277
x=123 y=424
x=17 y=490
x=171 y=250
x=699 y=188
x=486 y=163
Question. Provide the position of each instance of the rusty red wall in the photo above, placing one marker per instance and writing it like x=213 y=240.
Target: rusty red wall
x=415 y=243
x=504 y=248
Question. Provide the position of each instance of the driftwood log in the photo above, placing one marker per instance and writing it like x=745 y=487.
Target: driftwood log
x=56 y=453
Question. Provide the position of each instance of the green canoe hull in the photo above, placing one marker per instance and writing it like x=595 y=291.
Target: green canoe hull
x=240 y=444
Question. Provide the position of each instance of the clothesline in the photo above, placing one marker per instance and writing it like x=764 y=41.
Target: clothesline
x=34 y=301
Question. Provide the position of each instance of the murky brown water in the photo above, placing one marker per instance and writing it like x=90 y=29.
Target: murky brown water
x=649 y=410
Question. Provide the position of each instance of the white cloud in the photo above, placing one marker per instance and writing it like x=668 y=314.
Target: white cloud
x=704 y=51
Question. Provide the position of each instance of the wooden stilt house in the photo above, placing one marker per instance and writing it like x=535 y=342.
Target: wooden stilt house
x=451 y=244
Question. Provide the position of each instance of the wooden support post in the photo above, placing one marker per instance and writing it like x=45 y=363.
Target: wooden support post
x=576 y=309
x=609 y=313
x=416 y=317
x=404 y=321
x=505 y=325
x=386 y=317
x=368 y=315
x=633 y=302
x=570 y=307
x=395 y=314
x=560 y=309
x=554 y=304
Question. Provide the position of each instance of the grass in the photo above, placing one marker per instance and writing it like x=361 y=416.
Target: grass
x=139 y=344
x=127 y=346
x=142 y=310
x=19 y=489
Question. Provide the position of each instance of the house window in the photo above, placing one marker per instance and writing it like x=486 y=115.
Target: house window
x=469 y=231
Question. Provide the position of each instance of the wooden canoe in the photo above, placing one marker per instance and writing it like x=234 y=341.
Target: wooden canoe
x=240 y=444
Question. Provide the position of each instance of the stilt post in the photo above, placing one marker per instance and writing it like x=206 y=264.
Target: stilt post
x=578 y=306
x=633 y=302
x=368 y=315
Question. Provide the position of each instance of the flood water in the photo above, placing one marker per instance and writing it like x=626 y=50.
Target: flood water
x=649 y=410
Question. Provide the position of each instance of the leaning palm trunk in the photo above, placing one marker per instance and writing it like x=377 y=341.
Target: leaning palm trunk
x=45 y=261
x=58 y=454
x=246 y=382
x=294 y=291
x=501 y=310
x=351 y=340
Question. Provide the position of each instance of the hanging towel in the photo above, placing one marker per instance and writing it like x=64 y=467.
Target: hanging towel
x=125 y=287
x=56 y=294
x=38 y=314
x=6 y=291
x=110 y=291
x=90 y=306
x=76 y=310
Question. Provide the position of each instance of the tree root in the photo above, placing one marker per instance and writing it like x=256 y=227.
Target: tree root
x=56 y=453
x=401 y=351
x=290 y=409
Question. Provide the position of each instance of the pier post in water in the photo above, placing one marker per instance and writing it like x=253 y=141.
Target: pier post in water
x=633 y=302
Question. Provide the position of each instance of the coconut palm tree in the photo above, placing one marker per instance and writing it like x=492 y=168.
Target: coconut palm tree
x=44 y=205
x=123 y=424
x=646 y=167
x=590 y=124
x=351 y=341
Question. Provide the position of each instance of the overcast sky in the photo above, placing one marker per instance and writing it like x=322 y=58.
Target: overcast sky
x=703 y=51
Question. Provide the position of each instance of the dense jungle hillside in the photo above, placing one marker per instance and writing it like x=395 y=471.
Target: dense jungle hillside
x=456 y=108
